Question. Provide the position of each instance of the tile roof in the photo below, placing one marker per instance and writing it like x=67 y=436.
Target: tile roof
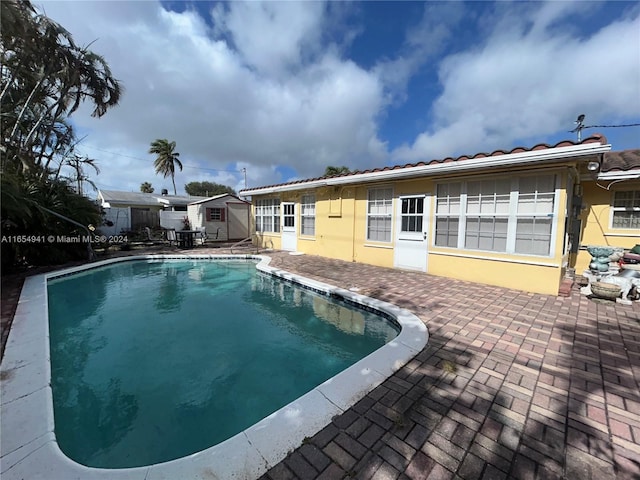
x=621 y=161
x=595 y=138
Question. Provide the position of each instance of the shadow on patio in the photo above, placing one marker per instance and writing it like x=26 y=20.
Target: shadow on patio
x=511 y=385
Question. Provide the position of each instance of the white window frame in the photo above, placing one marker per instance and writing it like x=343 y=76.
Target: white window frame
x=634 y=210
x=460 y=213
x=308 y=215
x=380 y=208
x=267 y=208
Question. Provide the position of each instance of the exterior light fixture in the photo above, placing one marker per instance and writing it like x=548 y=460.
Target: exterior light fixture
x=593 y=166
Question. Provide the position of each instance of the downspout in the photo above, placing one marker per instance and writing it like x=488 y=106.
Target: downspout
x=353 y=234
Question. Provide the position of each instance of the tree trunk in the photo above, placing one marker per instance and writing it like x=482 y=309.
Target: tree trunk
x=24 y=107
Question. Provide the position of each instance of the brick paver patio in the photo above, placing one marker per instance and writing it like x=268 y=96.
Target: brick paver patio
x=510 y=385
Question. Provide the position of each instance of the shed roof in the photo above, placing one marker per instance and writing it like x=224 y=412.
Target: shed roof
x=143 y=199
x=217 y=197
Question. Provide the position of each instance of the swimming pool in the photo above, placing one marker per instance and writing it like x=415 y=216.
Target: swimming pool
x=31 y=450
x=215 y=347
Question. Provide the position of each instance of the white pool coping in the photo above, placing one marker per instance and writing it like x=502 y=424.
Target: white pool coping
x=28 y=444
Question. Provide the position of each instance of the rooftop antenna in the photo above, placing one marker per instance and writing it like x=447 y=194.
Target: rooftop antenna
x=579 y=126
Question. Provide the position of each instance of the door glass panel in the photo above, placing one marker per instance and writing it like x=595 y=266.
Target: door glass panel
x=412 y=211
x=288 y=215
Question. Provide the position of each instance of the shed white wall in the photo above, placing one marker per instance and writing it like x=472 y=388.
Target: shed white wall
x=235 y=226
x=196 y=216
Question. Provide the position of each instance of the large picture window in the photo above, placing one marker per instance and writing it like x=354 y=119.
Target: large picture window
x=308 y=215
x=509 y=214
x=448 y=214
x=379 y=209
x=268 y=215
x=625 y=212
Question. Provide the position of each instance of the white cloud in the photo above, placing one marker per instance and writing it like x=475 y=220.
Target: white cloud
x=423 y=42
x=273 y=37
x=525 y=83
x=225 y=104
x=266 y=85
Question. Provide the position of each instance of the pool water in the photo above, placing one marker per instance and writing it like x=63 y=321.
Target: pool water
x=153 y=361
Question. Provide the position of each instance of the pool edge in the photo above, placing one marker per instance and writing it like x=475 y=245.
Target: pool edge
x=26 y=388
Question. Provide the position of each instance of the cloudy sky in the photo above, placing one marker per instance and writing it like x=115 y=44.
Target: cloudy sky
x=284 y=89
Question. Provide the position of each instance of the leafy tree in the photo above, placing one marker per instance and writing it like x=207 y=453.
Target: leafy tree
x=27 y=201
x=333 y=171
x=166 y=159
x=207 y=189
x=44 y=78
x=146 y=187
x=77 y=163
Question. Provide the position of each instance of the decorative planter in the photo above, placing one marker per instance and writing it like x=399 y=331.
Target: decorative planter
x=600 y=258
x=605 y=290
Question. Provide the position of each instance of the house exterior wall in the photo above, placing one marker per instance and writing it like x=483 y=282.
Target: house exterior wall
x=121 y=219
x=151 y=208
x=596 y=220
x=139 y=216
x=341 y=233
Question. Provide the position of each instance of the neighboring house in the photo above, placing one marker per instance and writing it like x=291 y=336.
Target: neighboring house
x=132 y=211
x=509 y=218
x=225 y=217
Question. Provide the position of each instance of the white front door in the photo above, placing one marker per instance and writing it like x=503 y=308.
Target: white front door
x=288 y=218
x=410 y=250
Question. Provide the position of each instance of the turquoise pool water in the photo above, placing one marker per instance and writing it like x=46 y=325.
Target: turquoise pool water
x=153 y=361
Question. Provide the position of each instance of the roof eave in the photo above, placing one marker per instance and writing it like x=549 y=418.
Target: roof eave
x=633 y=174
x=511 y=159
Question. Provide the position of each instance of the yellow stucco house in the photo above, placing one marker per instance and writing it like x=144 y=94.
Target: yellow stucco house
x=518 y=218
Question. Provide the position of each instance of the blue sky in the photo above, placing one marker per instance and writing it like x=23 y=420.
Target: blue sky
x=283 y=89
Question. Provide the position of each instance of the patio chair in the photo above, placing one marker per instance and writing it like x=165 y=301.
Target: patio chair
x=171 y=236
x=151 y=238
x=202 y=236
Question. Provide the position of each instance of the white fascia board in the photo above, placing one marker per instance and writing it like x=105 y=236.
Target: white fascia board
x=506 y=160
x=628 y=175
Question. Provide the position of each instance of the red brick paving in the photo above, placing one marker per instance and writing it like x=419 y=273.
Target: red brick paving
x=511 y=385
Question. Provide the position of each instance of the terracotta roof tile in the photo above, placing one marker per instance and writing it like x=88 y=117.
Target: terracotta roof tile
x=595 y=138
x=621 y=161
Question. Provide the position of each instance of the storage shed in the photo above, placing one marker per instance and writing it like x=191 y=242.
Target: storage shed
x=225 y=216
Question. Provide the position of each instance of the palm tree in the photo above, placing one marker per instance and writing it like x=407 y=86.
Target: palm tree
x=77 y=163
x=44 y=77
x=166 y=159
